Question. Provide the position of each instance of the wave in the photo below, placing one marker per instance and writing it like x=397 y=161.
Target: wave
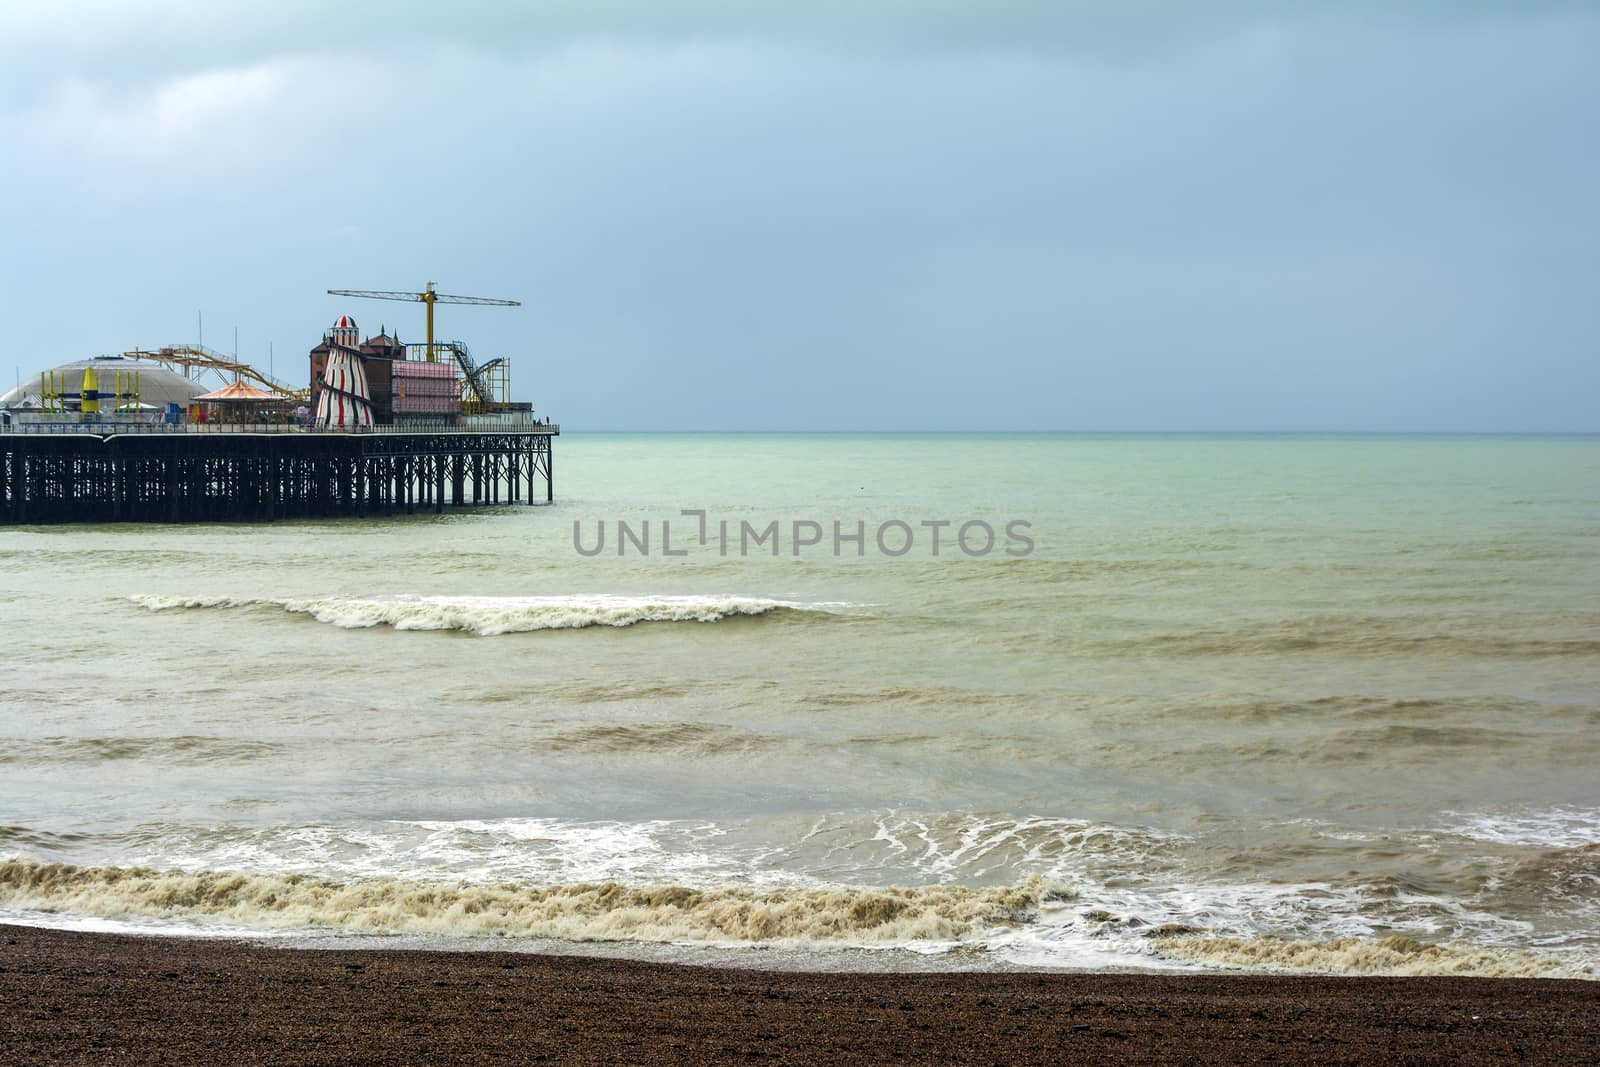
x=1023 y=923
x=489 y=616
x=1375 y=750
x=580 y=912
x=1560 y=827
x=612 y=693
x=1406 y=744
x=1555 y=635
x=975 y=846
x=881 y=848
x=182 y=749
x=39 y=840
x=1396 y=955
x=1379 y=708
x=1036 y=571
x=684 y=738
x=929 y=697
x=1032 y=891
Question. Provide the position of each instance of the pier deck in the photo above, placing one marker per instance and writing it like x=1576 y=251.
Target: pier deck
x=89 y=472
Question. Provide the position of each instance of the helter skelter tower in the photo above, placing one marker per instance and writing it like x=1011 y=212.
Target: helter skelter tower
x=344 y=398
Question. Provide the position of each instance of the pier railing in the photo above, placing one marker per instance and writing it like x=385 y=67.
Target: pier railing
x=106 y=429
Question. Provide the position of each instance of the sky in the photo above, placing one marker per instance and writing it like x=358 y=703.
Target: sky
x=1107 y=215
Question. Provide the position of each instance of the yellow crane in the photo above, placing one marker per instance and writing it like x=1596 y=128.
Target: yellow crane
x=428 y=297
x=479 y=392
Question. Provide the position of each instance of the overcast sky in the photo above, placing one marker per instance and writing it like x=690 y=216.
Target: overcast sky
x=903 y=215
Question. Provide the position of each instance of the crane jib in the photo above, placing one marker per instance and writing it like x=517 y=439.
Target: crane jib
x=424 y=297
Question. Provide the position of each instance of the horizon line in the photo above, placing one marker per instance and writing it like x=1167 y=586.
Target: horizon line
x=1100 y=432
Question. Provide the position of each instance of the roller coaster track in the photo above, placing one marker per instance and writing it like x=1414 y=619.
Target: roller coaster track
x=203 y=359
x=475 y=376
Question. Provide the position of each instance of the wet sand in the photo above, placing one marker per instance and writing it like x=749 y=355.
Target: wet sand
x=75 y=997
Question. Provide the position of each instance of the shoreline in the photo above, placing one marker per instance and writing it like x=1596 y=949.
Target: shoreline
x=73 y=996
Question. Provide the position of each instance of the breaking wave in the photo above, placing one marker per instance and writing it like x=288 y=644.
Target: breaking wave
x=1023 y=922
x=1394 y=955
x=580 y=912
x=488 y=616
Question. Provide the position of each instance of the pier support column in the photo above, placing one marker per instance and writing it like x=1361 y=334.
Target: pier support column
x=274 y=484
x=532 y=453
x=17 y=485
x=7 y=458
x=170 y=463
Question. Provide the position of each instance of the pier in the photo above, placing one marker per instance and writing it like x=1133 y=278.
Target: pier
x=144 y=472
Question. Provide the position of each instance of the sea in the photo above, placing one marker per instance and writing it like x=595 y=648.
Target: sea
x=893 y=702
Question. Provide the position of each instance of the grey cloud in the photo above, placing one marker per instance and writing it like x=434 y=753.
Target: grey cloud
x=116 y=41
x=1353 y=224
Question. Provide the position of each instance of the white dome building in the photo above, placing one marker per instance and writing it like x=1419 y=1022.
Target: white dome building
x=158 y=385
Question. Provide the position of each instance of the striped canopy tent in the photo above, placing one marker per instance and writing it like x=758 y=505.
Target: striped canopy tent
x=241 y=393
x=240 y=399
x=345 y=398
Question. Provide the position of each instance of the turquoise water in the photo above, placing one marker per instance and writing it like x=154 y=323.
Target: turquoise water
x=1262 y=701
